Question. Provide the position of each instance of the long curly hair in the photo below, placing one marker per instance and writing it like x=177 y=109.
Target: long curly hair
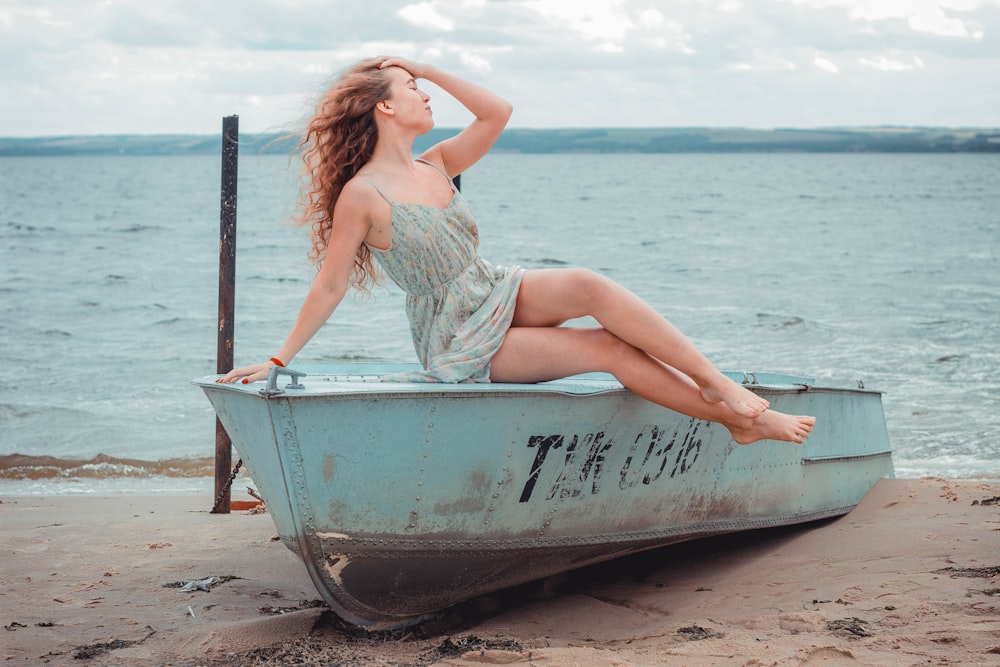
x=338 y=139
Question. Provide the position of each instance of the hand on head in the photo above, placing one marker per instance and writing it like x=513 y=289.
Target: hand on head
x=416 y=70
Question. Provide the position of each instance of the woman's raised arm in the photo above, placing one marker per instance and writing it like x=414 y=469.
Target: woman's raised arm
x=491 y=113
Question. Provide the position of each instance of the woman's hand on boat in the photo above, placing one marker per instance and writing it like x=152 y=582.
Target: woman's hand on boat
x=248 y=374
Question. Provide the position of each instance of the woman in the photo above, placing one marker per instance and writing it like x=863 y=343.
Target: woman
x=369 y=201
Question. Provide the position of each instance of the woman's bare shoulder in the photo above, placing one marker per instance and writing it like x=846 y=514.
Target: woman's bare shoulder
x=361 y=208
x=359 y=187
x=359 y=195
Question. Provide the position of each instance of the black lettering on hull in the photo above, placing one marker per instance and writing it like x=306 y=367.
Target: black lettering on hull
x=582 y=467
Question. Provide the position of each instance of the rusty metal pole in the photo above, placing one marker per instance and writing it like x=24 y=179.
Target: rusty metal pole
x=227 y=301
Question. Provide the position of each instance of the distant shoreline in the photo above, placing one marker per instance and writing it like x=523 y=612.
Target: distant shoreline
x=569 y=140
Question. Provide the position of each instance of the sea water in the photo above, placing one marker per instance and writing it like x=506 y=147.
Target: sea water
x=850 y=268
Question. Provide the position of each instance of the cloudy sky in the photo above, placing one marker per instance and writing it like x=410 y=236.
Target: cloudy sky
x=179 y=66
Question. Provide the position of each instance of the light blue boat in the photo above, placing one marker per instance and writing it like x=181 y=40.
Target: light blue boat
x=405 y=499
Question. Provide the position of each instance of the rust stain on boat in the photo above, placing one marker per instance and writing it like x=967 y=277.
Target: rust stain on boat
x=329 y=467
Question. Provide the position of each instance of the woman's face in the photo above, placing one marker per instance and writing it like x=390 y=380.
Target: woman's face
x=408 y=103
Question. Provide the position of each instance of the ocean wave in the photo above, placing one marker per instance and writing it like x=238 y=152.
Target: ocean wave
x=102 y=466
x=134 y=228
x=326 y=358
x=273 y=279
x=774 y=321
x=31 y=229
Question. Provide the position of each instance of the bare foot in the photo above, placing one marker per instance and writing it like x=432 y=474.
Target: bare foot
x=772 y=425
x=740 y=400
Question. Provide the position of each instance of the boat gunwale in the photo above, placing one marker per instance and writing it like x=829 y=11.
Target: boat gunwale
x=343 y=379
x=348 y=389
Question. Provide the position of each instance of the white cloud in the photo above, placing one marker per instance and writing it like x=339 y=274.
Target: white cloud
x=924 y=16
x=176 y=66
x=891 y=64
x=475 y=62
x=610 y=26
x=825 y=64
x=425 y=15
x=46 y=17
x=601 y=20
x=651 y=19
x=763 y=61
x=934 y=21
x=654 y=29
x=314 y=69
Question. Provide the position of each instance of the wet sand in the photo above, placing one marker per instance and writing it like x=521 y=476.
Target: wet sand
x=910 y=577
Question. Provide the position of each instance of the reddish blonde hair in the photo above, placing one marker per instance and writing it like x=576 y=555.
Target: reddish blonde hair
x=339 y=138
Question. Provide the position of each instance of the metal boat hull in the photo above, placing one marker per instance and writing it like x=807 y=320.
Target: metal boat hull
x=405 y=499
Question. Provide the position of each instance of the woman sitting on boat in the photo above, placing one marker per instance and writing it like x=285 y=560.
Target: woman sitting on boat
x=370 y=202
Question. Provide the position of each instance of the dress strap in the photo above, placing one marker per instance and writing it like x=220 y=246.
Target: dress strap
x=443 y=173
x=379 y=190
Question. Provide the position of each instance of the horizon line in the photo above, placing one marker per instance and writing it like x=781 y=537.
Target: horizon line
x=645 y=128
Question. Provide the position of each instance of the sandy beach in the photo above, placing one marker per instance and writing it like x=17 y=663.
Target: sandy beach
x=910 y=577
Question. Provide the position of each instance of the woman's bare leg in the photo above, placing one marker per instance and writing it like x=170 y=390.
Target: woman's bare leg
x=537 y=354
x=549 y=297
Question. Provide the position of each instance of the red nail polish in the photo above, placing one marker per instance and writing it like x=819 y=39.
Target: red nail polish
x=245 y=381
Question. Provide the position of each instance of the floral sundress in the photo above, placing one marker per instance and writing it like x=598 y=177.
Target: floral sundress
x=459 y=305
